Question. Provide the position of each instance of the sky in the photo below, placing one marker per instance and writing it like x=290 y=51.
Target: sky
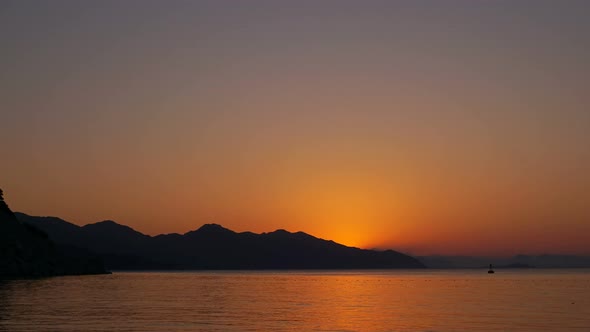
x=430 y=127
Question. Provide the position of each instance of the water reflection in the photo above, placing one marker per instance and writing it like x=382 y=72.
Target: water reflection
x=295 y=301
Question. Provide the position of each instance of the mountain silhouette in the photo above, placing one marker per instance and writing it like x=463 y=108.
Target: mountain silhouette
x=214 y=247
x=26 y=251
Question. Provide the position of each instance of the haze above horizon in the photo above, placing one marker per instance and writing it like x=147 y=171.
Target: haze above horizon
x=428 y=127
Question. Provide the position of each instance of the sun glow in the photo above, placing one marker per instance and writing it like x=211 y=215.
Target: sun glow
x=344 y=207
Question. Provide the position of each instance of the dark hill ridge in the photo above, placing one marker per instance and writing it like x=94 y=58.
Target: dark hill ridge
x=26 y=252
x=214 y=247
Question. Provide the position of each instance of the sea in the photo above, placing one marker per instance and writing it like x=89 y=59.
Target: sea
x=389 y=300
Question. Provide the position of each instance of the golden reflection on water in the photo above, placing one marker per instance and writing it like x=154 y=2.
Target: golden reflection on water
x=541 y=300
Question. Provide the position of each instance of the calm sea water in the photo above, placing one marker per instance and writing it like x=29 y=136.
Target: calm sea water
x=531 y=300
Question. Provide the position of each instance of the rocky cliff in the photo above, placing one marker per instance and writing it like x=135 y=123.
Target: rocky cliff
x=27 y=252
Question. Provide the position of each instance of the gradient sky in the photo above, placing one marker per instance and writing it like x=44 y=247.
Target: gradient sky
x=448 y=127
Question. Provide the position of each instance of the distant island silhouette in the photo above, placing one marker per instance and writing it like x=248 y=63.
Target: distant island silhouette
x=513 y=262
x=213 y=247
x=27 y=252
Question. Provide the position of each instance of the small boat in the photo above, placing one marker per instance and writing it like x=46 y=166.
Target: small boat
x=491 y=270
